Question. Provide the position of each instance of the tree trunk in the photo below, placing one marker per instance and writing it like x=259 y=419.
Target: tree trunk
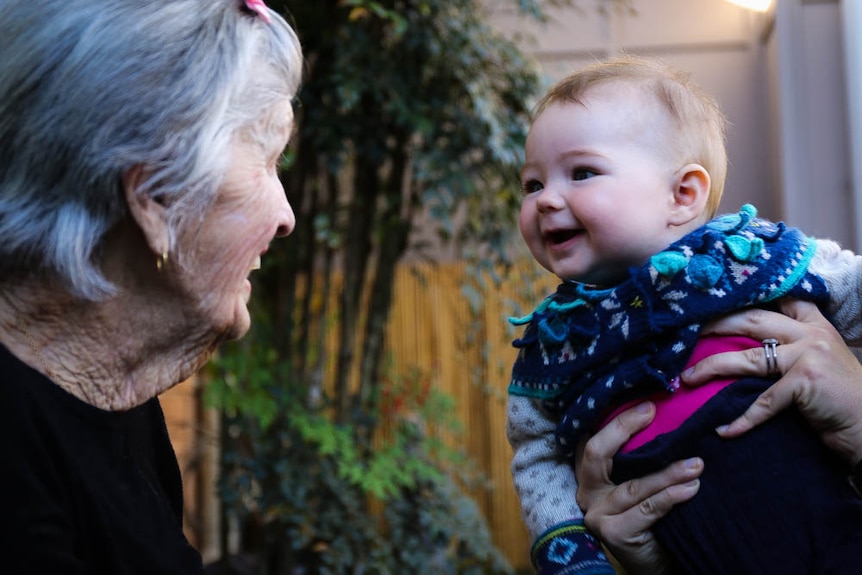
x=396 y=227
x=358 y=247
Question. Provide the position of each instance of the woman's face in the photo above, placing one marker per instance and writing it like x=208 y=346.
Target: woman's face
x=250 y=210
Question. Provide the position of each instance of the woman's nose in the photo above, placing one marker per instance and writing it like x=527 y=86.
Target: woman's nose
x=287 y=219
x=288 y=223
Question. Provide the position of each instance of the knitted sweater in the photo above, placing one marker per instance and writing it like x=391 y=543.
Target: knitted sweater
x=585 y=350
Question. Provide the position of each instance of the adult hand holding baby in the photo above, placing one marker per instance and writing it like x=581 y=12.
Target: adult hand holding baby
x=821 y=376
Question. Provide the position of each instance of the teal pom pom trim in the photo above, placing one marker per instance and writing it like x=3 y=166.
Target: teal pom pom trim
x=668 y=264
x=529 y=317
x=547 y=304
x=704 y=271
x=748 y=210
x=521 y=320
x=744 y=249
x=728 y=222
x=553 y=331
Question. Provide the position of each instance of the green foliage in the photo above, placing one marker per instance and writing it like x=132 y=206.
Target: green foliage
x=311 y=485
x=431 y=79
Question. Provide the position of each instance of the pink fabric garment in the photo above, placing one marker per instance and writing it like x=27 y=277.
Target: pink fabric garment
x=674 y=408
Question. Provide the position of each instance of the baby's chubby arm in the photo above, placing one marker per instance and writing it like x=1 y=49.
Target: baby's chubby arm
x=544 y=481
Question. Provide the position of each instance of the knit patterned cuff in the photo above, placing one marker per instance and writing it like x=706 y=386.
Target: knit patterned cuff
x=568 y=549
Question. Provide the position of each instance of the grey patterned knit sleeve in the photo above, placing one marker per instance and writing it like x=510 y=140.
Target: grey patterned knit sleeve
x=544 y=482
x=841 y=270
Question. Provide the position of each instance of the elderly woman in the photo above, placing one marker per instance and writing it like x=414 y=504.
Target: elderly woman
x=139 y=145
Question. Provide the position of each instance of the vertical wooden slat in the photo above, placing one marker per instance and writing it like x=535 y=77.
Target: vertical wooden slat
x=428 y=329
x=180 y=408
x=504 y=514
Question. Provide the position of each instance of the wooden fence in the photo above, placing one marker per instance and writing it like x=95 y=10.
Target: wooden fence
x=435 y=328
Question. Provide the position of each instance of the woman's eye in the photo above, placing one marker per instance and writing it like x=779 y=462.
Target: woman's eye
x=579 y=174
x=531 y=186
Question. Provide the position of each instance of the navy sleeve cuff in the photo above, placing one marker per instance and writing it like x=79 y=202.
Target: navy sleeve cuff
x=568 y=549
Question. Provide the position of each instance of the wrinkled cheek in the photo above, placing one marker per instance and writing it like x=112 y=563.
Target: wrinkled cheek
x=227 y=267
x=235 y=263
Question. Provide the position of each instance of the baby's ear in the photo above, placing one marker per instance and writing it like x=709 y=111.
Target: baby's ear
x=148 y=212
x=690 y=194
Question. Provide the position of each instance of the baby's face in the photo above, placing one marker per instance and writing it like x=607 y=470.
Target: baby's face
x=598 y=185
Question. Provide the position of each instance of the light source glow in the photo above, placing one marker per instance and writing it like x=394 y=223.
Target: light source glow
x=757 y=5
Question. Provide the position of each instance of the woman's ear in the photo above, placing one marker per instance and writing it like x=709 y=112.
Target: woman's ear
x=690 y=194
x=149 y=213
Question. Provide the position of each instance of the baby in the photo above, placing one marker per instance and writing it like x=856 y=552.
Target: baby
x=625 y=167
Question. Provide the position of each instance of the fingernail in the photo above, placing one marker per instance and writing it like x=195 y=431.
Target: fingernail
x=692 y=463
x=721 y=429
x=687 y=372
x=644 y=407
x=693 y=484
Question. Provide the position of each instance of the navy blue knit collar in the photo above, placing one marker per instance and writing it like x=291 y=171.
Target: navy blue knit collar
x=587 y=349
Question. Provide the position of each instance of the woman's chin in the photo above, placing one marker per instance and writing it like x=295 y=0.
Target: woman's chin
x=242 y=324
x=231 y=319
x=238 y=324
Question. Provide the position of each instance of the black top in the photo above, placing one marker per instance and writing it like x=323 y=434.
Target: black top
x=82 y=490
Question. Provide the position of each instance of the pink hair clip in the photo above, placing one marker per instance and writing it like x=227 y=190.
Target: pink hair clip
x=259 y=8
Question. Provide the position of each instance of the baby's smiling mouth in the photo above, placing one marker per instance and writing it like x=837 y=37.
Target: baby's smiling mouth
x=557 y=237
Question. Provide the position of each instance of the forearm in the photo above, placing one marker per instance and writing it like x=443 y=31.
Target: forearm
x=545 y=484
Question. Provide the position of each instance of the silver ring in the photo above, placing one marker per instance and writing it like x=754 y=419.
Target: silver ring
x=770 y=350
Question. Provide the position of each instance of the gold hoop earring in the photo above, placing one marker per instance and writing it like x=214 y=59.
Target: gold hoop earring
x=162 y=260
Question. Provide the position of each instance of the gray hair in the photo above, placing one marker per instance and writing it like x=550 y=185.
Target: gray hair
x=90 y=90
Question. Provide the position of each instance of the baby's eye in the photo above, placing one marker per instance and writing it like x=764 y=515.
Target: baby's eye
x=531 y=186
x=579 y=174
